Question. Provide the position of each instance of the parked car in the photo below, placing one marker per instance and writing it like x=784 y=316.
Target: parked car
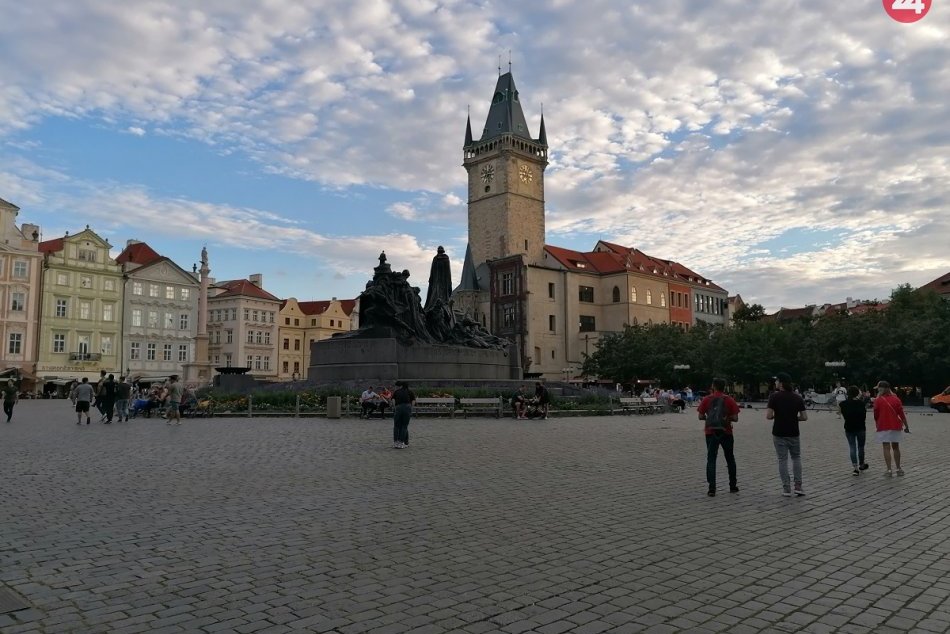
x=941 y=402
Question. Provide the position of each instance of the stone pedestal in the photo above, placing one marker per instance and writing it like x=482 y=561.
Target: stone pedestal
x=387 y=359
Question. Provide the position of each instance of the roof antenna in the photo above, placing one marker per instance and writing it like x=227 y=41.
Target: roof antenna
x=509 y=60
x=499 y=65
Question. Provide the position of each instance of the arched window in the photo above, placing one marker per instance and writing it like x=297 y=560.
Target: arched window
x=649 y=296
x=663 y=299
x=616 y=296
x=633 y=294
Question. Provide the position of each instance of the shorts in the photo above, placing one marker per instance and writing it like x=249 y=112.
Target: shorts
x=173 y=405
x=82 y=406
x=891 y=435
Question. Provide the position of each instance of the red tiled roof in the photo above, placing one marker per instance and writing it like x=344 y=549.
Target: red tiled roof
x=51 y=246
x=940 y=285
x=138 y=253
x=243 y=287
x=320 y=306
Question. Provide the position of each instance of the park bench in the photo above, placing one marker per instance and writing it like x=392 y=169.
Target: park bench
x=630 y=405
x=651 y=405
x=440 y=406
x=491 y=406
x=638 y=405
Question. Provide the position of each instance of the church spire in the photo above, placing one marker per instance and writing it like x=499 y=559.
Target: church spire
x=468 y=131
x=542 y=135
x=505 y=115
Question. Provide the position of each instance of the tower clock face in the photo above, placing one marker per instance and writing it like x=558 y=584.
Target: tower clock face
x=488 y=173
x=525 y=173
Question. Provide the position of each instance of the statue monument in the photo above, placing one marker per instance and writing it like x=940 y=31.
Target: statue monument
x=401 y=337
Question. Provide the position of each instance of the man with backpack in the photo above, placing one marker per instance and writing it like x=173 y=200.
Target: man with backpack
x=719 y=411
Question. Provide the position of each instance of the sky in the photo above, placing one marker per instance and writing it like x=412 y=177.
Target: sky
x=794 y=152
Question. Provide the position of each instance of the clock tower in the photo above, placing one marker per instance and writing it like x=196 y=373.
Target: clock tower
x=506 y=181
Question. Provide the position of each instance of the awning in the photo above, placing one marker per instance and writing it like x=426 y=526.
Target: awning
x=150 y=379
x=23 y=375
x=61 y=382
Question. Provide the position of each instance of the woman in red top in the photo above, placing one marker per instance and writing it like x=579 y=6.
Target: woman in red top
x=890 y=421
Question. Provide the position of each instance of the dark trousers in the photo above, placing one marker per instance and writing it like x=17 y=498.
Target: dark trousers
x=856 y=446
x=401 y=415
x=8 y=409
x=106 y=406
x=713 y=442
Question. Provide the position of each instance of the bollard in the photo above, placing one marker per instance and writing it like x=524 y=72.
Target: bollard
x=297 y=408
x=250 y=404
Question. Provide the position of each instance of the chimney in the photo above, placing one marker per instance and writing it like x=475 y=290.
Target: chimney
x=256 y=279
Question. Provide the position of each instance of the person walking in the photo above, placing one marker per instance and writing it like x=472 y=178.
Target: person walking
x=107 y=396
x=123 y=395
x=97 y=402
x=543 y=398
x=855 y=415
x=173 y=393
x=10 y=396
x=891 y=422
x=82 y=395
x=786 y=409
x=719 y=411
x=403 y=400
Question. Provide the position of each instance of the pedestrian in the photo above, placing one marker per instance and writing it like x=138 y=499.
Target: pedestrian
x=840 y=394
x=543 y=398
x=107 y=395
x=404 y=399
x=719 y=411
x=173 y=393
x=97 y=402
x=82 y=395
x=786 y=409
x=123 y=396
x=519 y=403
x=890 y=420
x=854 y=412
x=10 y=396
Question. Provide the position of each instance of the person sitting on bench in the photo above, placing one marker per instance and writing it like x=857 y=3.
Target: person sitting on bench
x=368 y=401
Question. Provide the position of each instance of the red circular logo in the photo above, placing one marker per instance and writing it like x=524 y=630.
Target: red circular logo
x=907 y=10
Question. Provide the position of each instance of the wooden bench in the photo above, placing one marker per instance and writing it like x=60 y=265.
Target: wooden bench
x=491 y=406
x=637 y=405
x=435 y=405
x=651 y=405
x=630 y=404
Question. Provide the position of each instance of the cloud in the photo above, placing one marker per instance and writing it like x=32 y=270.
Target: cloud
x=696 y=131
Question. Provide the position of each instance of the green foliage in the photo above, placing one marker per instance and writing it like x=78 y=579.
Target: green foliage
x=906 y=344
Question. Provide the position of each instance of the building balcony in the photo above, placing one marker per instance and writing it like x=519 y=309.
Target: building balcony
x=85 y=356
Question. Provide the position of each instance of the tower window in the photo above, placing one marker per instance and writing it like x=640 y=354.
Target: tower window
x=487 y=188
x=587 y=323
x=551 y=323
x=551 y=290
x=616 y=294
x=526 y=245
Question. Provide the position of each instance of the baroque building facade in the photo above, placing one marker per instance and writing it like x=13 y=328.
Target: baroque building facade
x=304 y=323
x=555 y=303
x=81 y=308
x=159 y=316
x=20 y=275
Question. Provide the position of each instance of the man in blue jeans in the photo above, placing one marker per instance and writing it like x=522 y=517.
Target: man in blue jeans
x=719 y=411
x=786 y=409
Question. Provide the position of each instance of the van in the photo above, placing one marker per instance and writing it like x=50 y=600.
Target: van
x=941 y=402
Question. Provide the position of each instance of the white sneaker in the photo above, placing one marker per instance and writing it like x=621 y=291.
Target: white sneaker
x=888 y=473
x=397 y=445
x=787 y=492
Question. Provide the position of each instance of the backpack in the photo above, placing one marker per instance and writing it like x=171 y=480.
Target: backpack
x=716 y=414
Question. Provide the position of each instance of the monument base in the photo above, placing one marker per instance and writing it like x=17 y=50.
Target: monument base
x=387 y=359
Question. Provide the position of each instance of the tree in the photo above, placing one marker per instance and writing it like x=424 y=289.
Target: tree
x=748 y=313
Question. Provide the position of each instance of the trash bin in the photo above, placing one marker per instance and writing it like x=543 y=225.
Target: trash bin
x=333 y=406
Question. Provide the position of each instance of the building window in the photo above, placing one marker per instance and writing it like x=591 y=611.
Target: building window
x=296 y=344
x=286 y=344
x=266 y=362
x=507 y=283
x=17 y=301
x=106 y=345
x=699 y=306
x=616 y=295
x=585 y=294
x=286 y=367
x=227 y=360
x=331 y=323
x=257 y=362
x=551 y=290
x=271 y=319
x=229 y=335
x=250 y=336
x=182 y=352
x=554 y=354
x=254 y=316
x=152 y=319
x=587 y=323
x=167 y=352
x=663 y=299
x=250 y=361
x=183 y=321
x=296 y=366
x=169 y=321
x=551 y=323
x=185 y=294
x=109 y=285
x=633 y=294
x=85 y=310
x=286 y=321
x=153 y=290
x=85 y=281
x=89 y=255
x=247 y=314
x=217 y=359
x=62 y=279
x=16 y=341
x=135 y=351
x=107 y=312
x=313 y=322
x=136 y=288
x=20 y=269
x=61 y=306
x=296 y=322
x=267 y=337
x=508 y=315
x=649 y=296
x=169 y=292
x=150 y=352
x=259 y=337
x=233 y=314
x=136 y=316
x=59 y=343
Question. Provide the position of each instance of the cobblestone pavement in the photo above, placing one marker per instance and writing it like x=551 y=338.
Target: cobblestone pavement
x=578 y=525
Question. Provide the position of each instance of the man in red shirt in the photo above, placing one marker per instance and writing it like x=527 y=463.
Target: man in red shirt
x=719 y=411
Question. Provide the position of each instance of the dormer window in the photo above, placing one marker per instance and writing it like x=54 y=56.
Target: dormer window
x=498 y=98
x=515 y=96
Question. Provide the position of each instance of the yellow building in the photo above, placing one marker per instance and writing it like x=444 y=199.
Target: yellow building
x=81 y=314
x=303 y=323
